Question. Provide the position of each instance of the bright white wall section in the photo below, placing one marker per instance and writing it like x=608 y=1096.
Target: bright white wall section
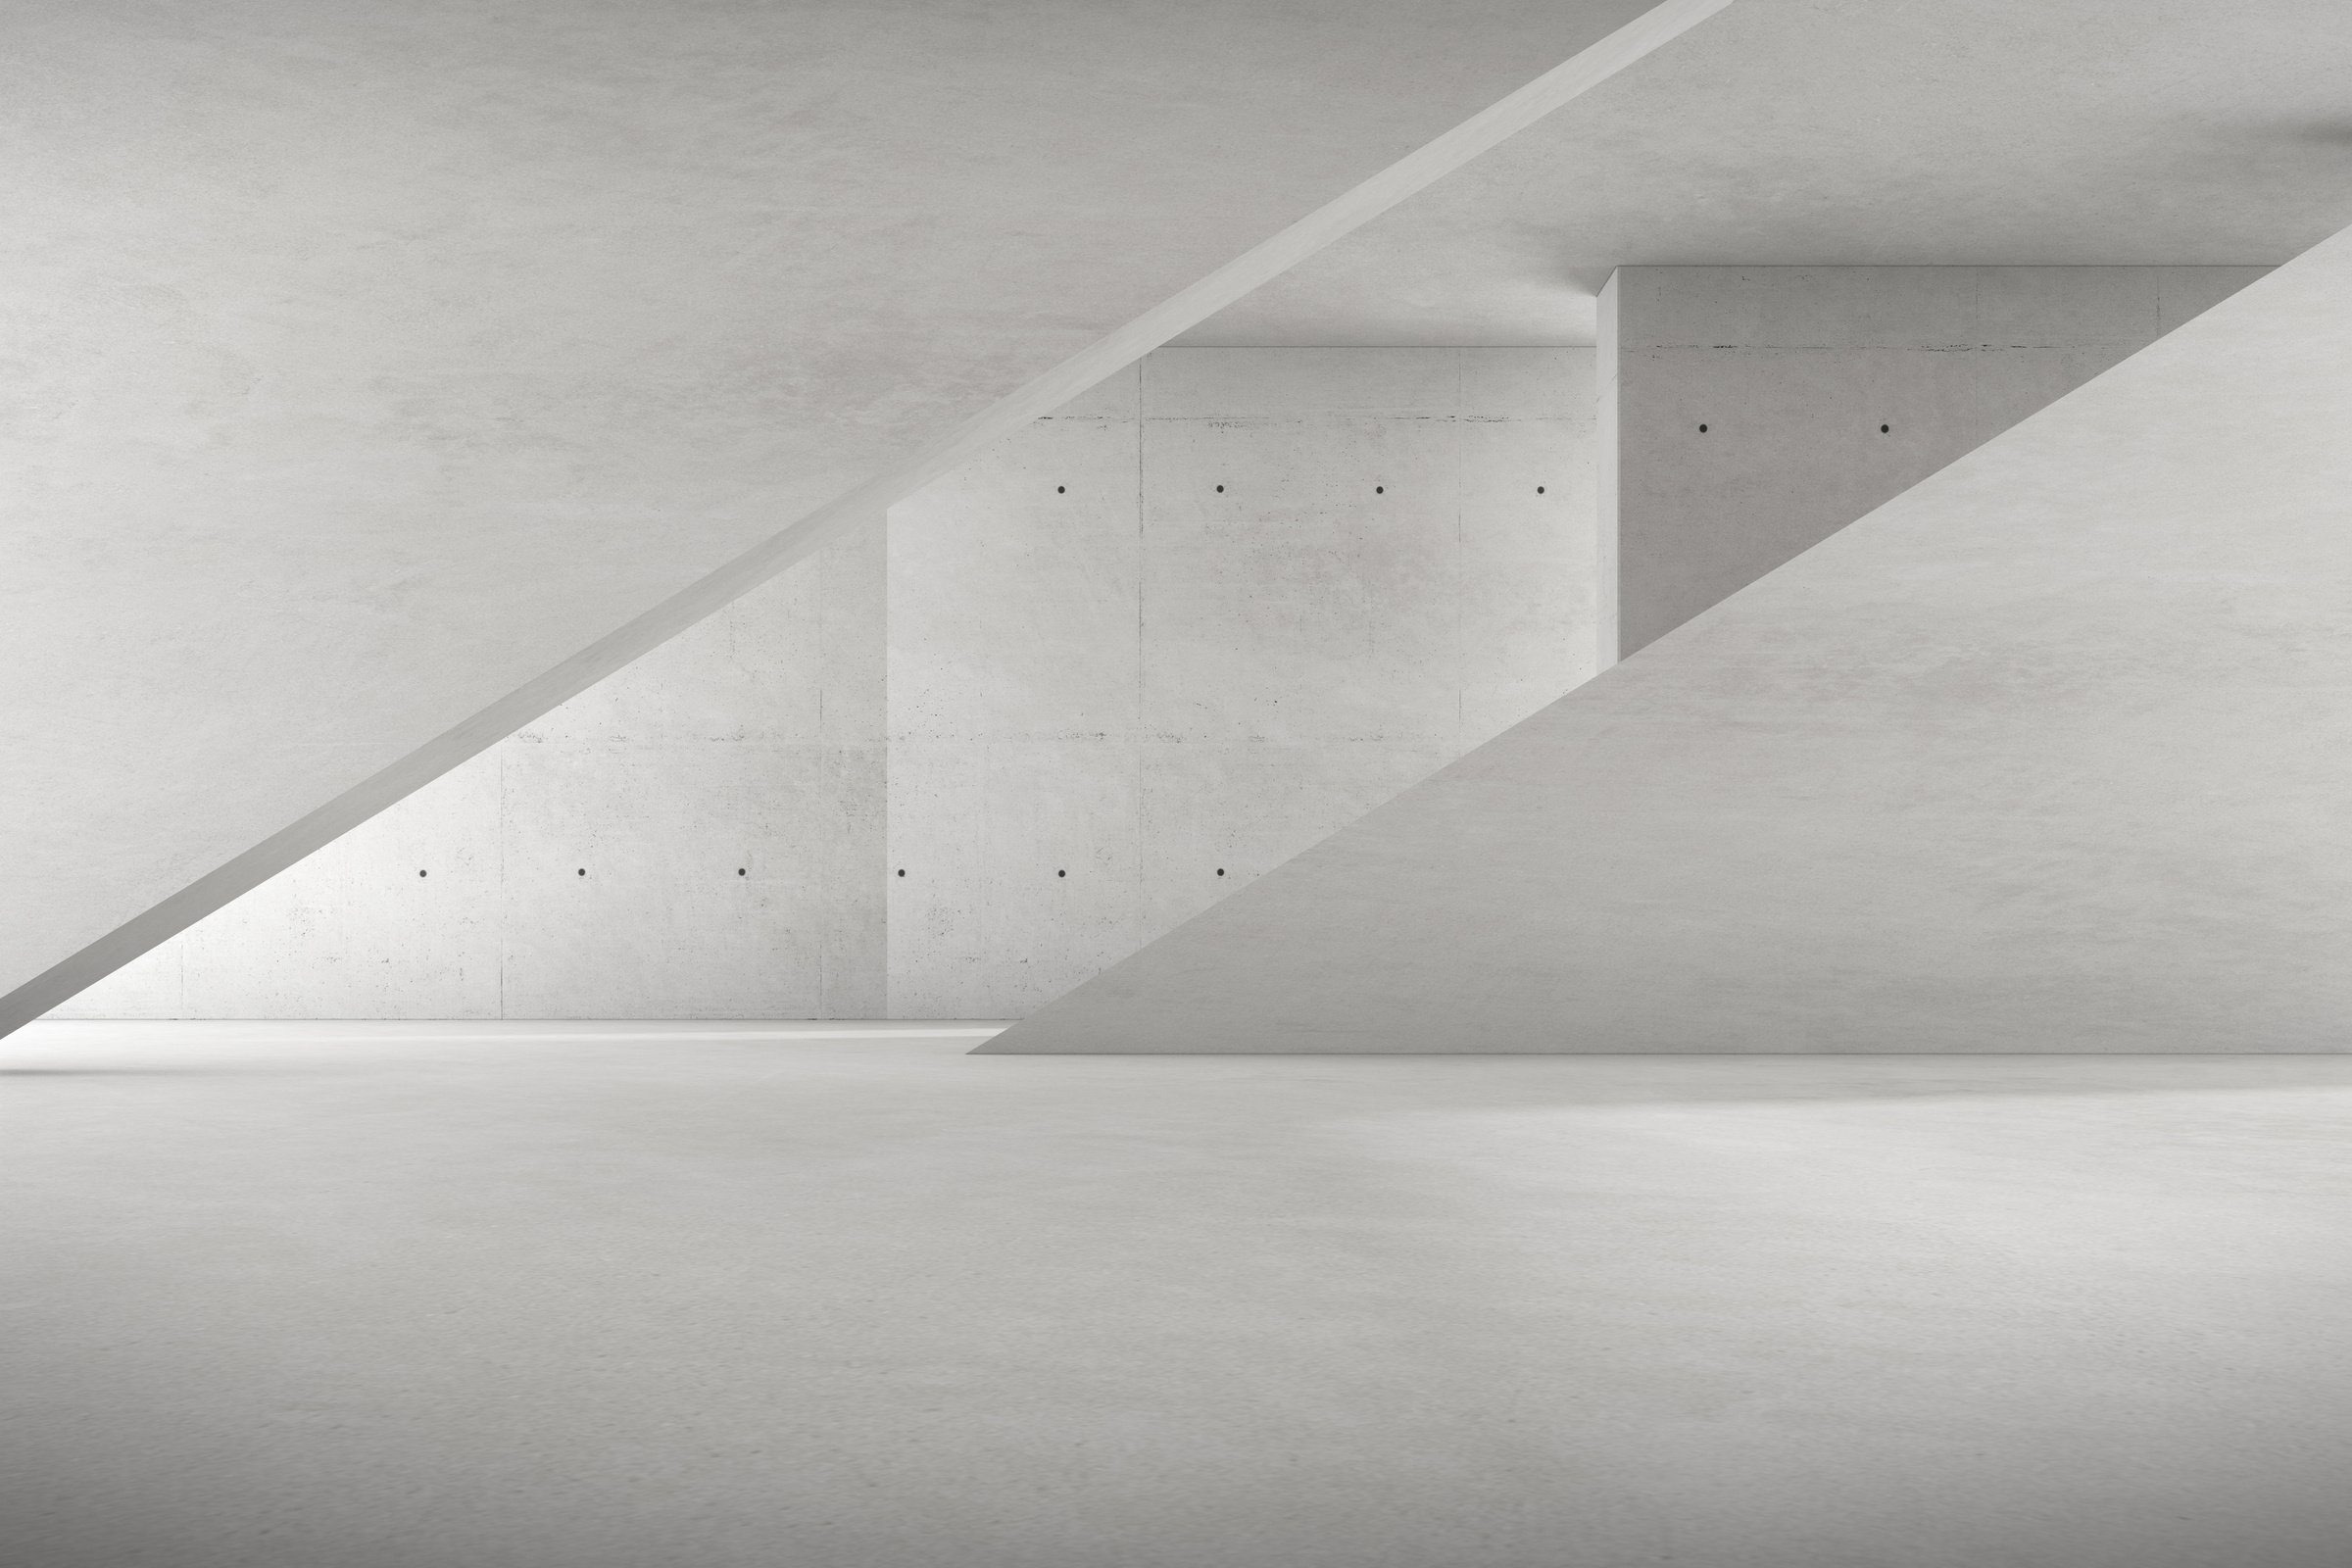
x=1757 y=410
x=723 y=795
x=1198 y=621
x=2045 y=754
x=391 y=373
x=1098 y=663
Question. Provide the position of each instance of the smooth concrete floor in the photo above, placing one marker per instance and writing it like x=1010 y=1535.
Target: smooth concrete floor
x=562 y=1297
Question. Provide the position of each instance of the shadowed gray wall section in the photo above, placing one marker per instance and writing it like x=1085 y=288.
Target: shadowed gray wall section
x=1758 y=410
x=394 y=373
x=2045 y=754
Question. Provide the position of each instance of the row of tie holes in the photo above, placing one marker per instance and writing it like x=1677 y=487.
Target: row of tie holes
x=1382 y=489
x=743 y=870
x=1378 y=489
x=1884 y=430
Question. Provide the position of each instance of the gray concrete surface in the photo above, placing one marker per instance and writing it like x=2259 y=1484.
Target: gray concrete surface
x=411 y=1298
x=1141 y=695
x=1102 y=664
x=1761 y=408
x=2044 y=755
x=1794 y=132
x=386 y=375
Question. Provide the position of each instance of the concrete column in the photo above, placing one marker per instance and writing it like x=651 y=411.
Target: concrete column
x=1749 y=412
x=1607 y=574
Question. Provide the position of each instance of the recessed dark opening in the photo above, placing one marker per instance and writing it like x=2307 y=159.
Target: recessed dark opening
x=584 y=870
x=1220 y=489
x=742 y=871
x=1702 y=430
x=1061 y=874
x=1380 y=489
x=420 y=873
x=1882 y=429
x=1539 y=489
x=1061 y=489
x=902 y=870
x=1220 y=870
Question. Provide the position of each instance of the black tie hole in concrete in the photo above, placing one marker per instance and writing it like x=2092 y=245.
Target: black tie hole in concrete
x=1220 y=870
x=1539 y=489
x=1061 y=489
x=1380 y=489
x=902 y=870
x=584 y=870
x=1882 y=429
x=1702 y=430
x=1061 y=874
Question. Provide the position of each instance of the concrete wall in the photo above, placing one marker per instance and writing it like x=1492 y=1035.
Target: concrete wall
x=1157 y=644
x=1099 y=665
x=1757 y=410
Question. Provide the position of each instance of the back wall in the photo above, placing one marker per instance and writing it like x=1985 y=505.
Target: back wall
x=1078 y=690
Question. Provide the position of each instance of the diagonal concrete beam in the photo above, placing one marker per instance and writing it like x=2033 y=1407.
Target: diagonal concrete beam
x=95 y=887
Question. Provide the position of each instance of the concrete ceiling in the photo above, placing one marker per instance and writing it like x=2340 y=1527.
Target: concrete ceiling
x=370 y=359
x=1886 y=132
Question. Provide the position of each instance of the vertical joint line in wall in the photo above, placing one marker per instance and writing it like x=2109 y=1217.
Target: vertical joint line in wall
x=1461 y=564
x=498 y=847
x=884 y=735
x=1139 y=555
x=1138 y=733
